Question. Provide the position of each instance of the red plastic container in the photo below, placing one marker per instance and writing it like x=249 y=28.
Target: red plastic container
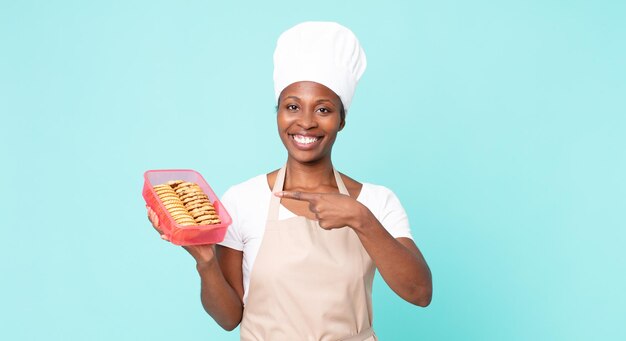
x=184 y=235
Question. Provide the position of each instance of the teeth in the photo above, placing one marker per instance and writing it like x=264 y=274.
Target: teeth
x=305 y=139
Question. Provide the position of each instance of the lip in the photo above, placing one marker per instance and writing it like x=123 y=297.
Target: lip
x=305 y=146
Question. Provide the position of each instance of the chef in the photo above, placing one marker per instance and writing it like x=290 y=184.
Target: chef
x=298 y=261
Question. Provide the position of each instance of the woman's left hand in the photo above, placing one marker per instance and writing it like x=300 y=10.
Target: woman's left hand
x=399 y=261
x=332 y=210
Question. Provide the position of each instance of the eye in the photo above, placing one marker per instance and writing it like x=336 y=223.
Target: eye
x=292 y=107
x=324 y=110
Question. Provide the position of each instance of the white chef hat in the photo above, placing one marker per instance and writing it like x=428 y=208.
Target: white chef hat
x=321 y=52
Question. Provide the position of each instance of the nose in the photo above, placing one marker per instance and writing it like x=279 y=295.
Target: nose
x=308 y=120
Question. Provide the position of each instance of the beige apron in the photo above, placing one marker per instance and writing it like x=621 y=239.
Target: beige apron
x=308 y=283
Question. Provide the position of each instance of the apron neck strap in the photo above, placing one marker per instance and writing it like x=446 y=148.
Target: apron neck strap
x=280 y=180
x=340 y=184
x=279 y=184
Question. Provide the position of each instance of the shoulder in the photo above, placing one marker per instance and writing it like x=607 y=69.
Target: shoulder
x=377 y=196
x=386 y=207
x=247 y=190
x=367 y=193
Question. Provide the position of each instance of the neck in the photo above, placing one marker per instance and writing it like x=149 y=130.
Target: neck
x=309 y=176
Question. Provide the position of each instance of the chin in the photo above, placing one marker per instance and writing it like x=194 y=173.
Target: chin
x=307 y=159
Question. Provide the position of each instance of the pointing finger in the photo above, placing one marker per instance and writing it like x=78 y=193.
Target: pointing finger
x=297 y=195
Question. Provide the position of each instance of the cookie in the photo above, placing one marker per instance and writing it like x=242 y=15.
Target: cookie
x=174 y=208
x=171 y=200
x=198 y=201
x=197 y=214
x=174 y=183
x=167 y=193
x=182 y=217
x=206 y=206
x=179 y=220
x=161 y=192
x=186 y=203
x=185 y=184
x=206 y=217
x=164 y=192
x=179 y=213
x=188 y=190
x=194 y=206
x=210 y=222
x=196 y=195
x=194 y=199
x=169 y=197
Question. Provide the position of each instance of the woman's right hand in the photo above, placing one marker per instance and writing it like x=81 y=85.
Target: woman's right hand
x=221 y=300
x=201 y=253
x=154 y=219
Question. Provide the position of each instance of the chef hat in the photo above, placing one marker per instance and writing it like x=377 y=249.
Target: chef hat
x=321 y=52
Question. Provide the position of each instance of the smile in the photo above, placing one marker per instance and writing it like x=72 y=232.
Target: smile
x=305 y=142
x=301 y=139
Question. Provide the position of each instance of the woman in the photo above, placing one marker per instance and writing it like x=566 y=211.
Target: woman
x=299 y=264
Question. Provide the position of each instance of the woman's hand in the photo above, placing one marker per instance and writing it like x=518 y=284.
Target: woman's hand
x=221 y=299
x=332 y=210
x=399 y=261
x=154 y=219
x=201 y=253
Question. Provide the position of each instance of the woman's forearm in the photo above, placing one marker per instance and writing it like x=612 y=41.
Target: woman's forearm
x=218 y=298
x=399 y=262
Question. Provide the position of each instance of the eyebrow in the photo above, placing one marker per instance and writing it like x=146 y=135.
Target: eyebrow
x=318 y=101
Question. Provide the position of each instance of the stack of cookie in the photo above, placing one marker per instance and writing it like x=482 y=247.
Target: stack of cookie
x=187 y=203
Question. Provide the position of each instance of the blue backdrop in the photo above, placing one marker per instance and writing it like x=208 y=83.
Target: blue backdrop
x=500 y=125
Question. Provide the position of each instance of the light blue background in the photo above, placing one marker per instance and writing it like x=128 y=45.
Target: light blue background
x=500 y=125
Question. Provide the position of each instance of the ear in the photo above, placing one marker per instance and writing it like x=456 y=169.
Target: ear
x=342 y=124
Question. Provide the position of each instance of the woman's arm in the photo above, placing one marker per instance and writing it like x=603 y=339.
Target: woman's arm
x=221 y=280
x=221 y=283
x=399 y=261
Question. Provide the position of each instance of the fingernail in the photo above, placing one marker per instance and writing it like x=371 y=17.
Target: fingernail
x=278 y=194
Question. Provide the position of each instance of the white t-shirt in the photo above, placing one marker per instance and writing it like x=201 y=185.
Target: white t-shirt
x=248 y=203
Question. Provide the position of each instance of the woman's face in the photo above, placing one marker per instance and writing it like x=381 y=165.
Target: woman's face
x=309 y=117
